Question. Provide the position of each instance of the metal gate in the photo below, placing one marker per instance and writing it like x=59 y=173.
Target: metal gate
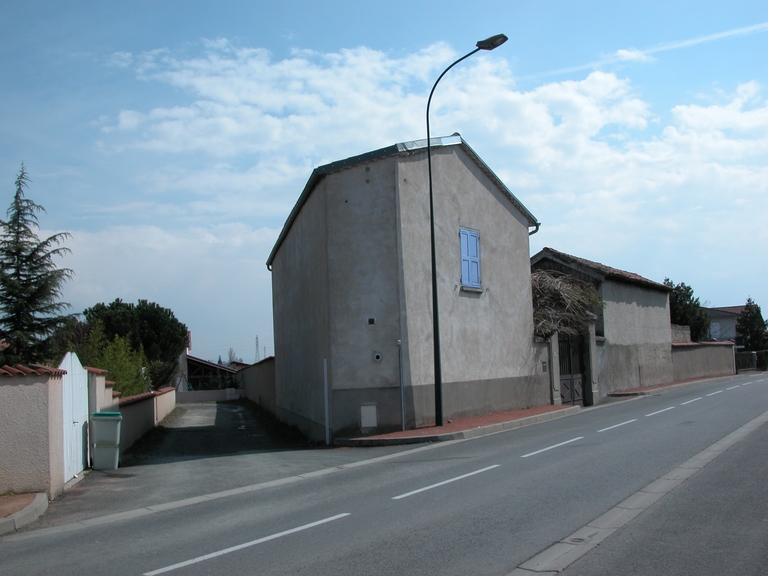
x=571 y=370
x=75 y=403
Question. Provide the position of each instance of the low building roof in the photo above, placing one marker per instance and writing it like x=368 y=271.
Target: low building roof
x=207 y=363
x=595 y=269
x=726 y=311
x=403 y=148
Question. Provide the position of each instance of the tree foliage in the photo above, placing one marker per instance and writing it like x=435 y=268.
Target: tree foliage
x=30 y=282
x=686 y=310
x=127 y=367
x=562 y=303
x=751 y=327
x=148 y=327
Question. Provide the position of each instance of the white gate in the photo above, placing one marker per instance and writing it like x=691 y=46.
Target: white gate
x=75 y=401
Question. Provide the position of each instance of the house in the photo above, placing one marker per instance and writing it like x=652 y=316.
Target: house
x=723 y=321
x=352 y=296
x=629 y=345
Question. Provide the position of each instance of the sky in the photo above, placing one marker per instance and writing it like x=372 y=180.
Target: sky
x=172 y=139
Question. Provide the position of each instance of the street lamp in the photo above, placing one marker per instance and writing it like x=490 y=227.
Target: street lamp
x=487 y=44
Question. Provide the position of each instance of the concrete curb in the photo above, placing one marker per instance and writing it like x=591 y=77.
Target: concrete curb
x=459 y=435
x=23 y=517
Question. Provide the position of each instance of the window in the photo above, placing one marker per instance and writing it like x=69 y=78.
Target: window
x=470 y=258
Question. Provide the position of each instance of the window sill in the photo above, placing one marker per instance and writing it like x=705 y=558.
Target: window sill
x=472 y=289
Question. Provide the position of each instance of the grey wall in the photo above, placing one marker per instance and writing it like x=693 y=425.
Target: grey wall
x=680 y=334
x=301 y=320
x=637 y=347
x=702 y=360
x=363 y=272
x=259 y=383
x=486 y=339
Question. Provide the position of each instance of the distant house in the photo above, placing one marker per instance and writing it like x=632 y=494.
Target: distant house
x=632 y=336
x=723 y=321
x=351 y=289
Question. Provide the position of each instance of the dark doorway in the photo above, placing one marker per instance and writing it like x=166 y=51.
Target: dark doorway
x=572 y=370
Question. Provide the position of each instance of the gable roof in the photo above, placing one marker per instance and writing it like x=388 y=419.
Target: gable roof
x=726 y=310
x=402 y=149
x=596 y=270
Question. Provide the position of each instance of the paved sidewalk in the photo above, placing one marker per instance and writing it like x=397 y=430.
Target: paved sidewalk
x=463 y=428
x=21 y=509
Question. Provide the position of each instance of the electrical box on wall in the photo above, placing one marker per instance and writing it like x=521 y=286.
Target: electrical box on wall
x=368 y=416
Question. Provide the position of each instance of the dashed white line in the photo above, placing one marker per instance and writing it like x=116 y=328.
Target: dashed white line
x=551 y=447
x=617 y=425
x=689 y=401
x=660 y=411
x=245 y=545
x=732 y=387
x=713 y=393
x=444 y=482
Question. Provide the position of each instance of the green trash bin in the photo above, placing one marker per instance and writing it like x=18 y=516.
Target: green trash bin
x=105 y=444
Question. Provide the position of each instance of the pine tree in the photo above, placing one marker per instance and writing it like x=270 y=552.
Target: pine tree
x=750 y=327
x=30 y=281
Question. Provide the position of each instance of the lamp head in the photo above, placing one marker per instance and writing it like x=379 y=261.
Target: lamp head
x=492 y=42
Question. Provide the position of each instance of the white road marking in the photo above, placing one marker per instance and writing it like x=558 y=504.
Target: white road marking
x=444 y=482
x=551 y=447
x=732 y=387
x=689 y=401
x=660 y=411
x=617 y=425
x=713 y=393
x=246 y=545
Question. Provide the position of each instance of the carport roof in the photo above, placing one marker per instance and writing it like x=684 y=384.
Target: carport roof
x=402 y=148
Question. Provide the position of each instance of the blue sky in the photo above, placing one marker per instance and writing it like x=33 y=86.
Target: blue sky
x=173 y=138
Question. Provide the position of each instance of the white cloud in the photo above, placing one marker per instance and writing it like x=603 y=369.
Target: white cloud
x=633 y=55
x=666 y=201
x=120 y=59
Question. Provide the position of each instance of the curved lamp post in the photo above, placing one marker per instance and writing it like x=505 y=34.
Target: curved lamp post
x=487 y=44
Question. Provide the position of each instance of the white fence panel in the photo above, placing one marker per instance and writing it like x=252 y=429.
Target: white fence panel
x=75 y=403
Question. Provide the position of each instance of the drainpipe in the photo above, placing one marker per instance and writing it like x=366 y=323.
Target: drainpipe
x=538 y=225
x=402 y=390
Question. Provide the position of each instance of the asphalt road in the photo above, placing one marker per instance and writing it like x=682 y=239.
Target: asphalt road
x=480 y=506
x=715 y=523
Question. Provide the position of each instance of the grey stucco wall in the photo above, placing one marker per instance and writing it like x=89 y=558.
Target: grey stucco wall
x=31 y=435
x=637 y=347
x=363 y=272
x=300 y=312
x=704 y=360
x=138 y=419
x=486 y=338
x=259 y=383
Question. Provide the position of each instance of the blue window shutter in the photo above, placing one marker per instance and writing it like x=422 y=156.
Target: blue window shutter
x=470 y=258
